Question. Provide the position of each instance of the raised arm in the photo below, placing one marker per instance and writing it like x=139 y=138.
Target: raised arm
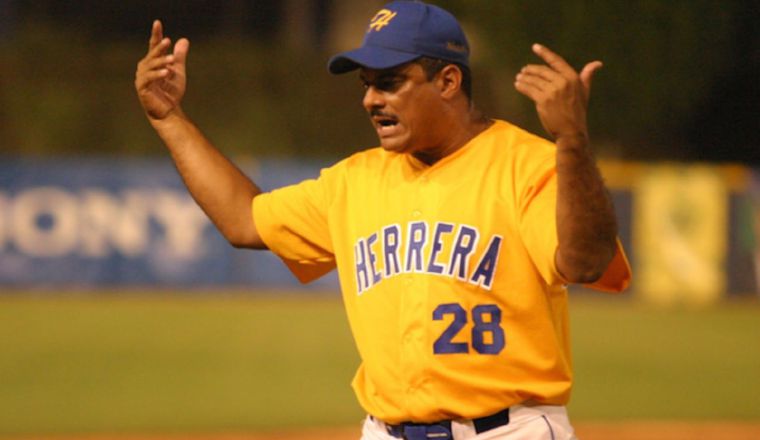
x=217 y=185
x=586 y=223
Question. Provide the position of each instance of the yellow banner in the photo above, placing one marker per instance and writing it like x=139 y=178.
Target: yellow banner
x=680 y=234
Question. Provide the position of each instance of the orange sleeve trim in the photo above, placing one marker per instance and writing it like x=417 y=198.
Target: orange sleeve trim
x=618 y=275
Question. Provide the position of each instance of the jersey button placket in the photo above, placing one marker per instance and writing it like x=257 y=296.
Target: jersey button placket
x=411 y=336
x=412 y=319
x=418 y=197
x=418 y=348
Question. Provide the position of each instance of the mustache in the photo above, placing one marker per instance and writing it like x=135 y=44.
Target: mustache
x=379 y=113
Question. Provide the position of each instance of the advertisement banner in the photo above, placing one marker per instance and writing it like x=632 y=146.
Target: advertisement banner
x=749 y=234
x=679 y=234
x=78 y=222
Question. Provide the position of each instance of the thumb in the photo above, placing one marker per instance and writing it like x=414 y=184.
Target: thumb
x=180 y=51
x=587 y=75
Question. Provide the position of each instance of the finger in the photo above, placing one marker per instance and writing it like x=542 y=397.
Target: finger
x=156 y=34
x=159 y=49
x=554 y=61
x=144 y=79
x=181 y=48
x=157 y=62
x=533 y=81
x=541 y=71
x=529 y=89
x=587 y=74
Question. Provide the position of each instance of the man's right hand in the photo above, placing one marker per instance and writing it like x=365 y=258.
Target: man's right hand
x=160 y=79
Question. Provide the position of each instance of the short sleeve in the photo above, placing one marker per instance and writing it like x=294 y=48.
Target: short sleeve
x=293 y=223
x=617 y=277
x=538 y=223
x=536 y=205
x=539 y=231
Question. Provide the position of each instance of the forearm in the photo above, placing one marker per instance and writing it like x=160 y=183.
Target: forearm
x=586 y=223
x=217 y=185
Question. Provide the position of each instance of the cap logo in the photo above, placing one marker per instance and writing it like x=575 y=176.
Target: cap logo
x=381 y=20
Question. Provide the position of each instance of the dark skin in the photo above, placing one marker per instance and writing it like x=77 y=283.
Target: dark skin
x=586 y=223
x=217 y=185
x=429 y=119
x=399 y=102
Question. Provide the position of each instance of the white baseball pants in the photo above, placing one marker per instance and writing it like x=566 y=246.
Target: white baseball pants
x=541 y=422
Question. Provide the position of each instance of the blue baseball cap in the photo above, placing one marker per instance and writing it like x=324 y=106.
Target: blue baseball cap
x=403 y=31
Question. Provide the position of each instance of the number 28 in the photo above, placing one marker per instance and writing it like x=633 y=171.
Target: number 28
x=445 y=345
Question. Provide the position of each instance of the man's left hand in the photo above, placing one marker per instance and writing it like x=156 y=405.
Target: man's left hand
x=560 y=93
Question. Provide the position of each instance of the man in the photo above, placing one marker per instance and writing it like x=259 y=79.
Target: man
x=454 y=240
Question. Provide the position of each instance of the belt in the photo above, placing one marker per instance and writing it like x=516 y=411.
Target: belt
x=442 y=430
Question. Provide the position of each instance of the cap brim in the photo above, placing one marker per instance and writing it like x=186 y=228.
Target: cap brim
x=371 y=57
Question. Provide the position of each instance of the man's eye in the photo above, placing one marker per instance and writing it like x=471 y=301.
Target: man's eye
x=387 y=84
x=383 y=84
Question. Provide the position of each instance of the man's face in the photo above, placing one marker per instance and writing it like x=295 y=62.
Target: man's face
x=402 y=105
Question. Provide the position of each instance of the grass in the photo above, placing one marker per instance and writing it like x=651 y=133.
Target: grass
x=168 y=363
x=634 y=361
x=173 y=363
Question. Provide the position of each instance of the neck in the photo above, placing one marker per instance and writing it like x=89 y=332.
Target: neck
x=458 y=132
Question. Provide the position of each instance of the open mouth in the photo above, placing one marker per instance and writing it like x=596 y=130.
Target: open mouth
x=384 y=123
x=387 y=122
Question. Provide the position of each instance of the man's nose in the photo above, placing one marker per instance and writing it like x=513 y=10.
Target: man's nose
x=373 y=98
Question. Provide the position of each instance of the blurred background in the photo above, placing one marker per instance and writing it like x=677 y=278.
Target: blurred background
x=123 y=310
x=680 y=78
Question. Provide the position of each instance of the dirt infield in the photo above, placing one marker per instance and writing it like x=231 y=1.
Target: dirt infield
x=586 y=431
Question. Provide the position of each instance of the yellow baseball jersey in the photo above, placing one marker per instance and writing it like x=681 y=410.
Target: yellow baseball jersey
x=447 y=273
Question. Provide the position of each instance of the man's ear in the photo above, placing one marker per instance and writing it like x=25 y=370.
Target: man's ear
x=450 y=81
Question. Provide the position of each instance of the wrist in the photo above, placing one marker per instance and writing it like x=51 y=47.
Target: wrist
x=173 y=117
x=572 y=140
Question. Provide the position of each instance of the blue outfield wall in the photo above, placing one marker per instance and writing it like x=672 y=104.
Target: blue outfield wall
x=100 y=222
x=72 y=223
